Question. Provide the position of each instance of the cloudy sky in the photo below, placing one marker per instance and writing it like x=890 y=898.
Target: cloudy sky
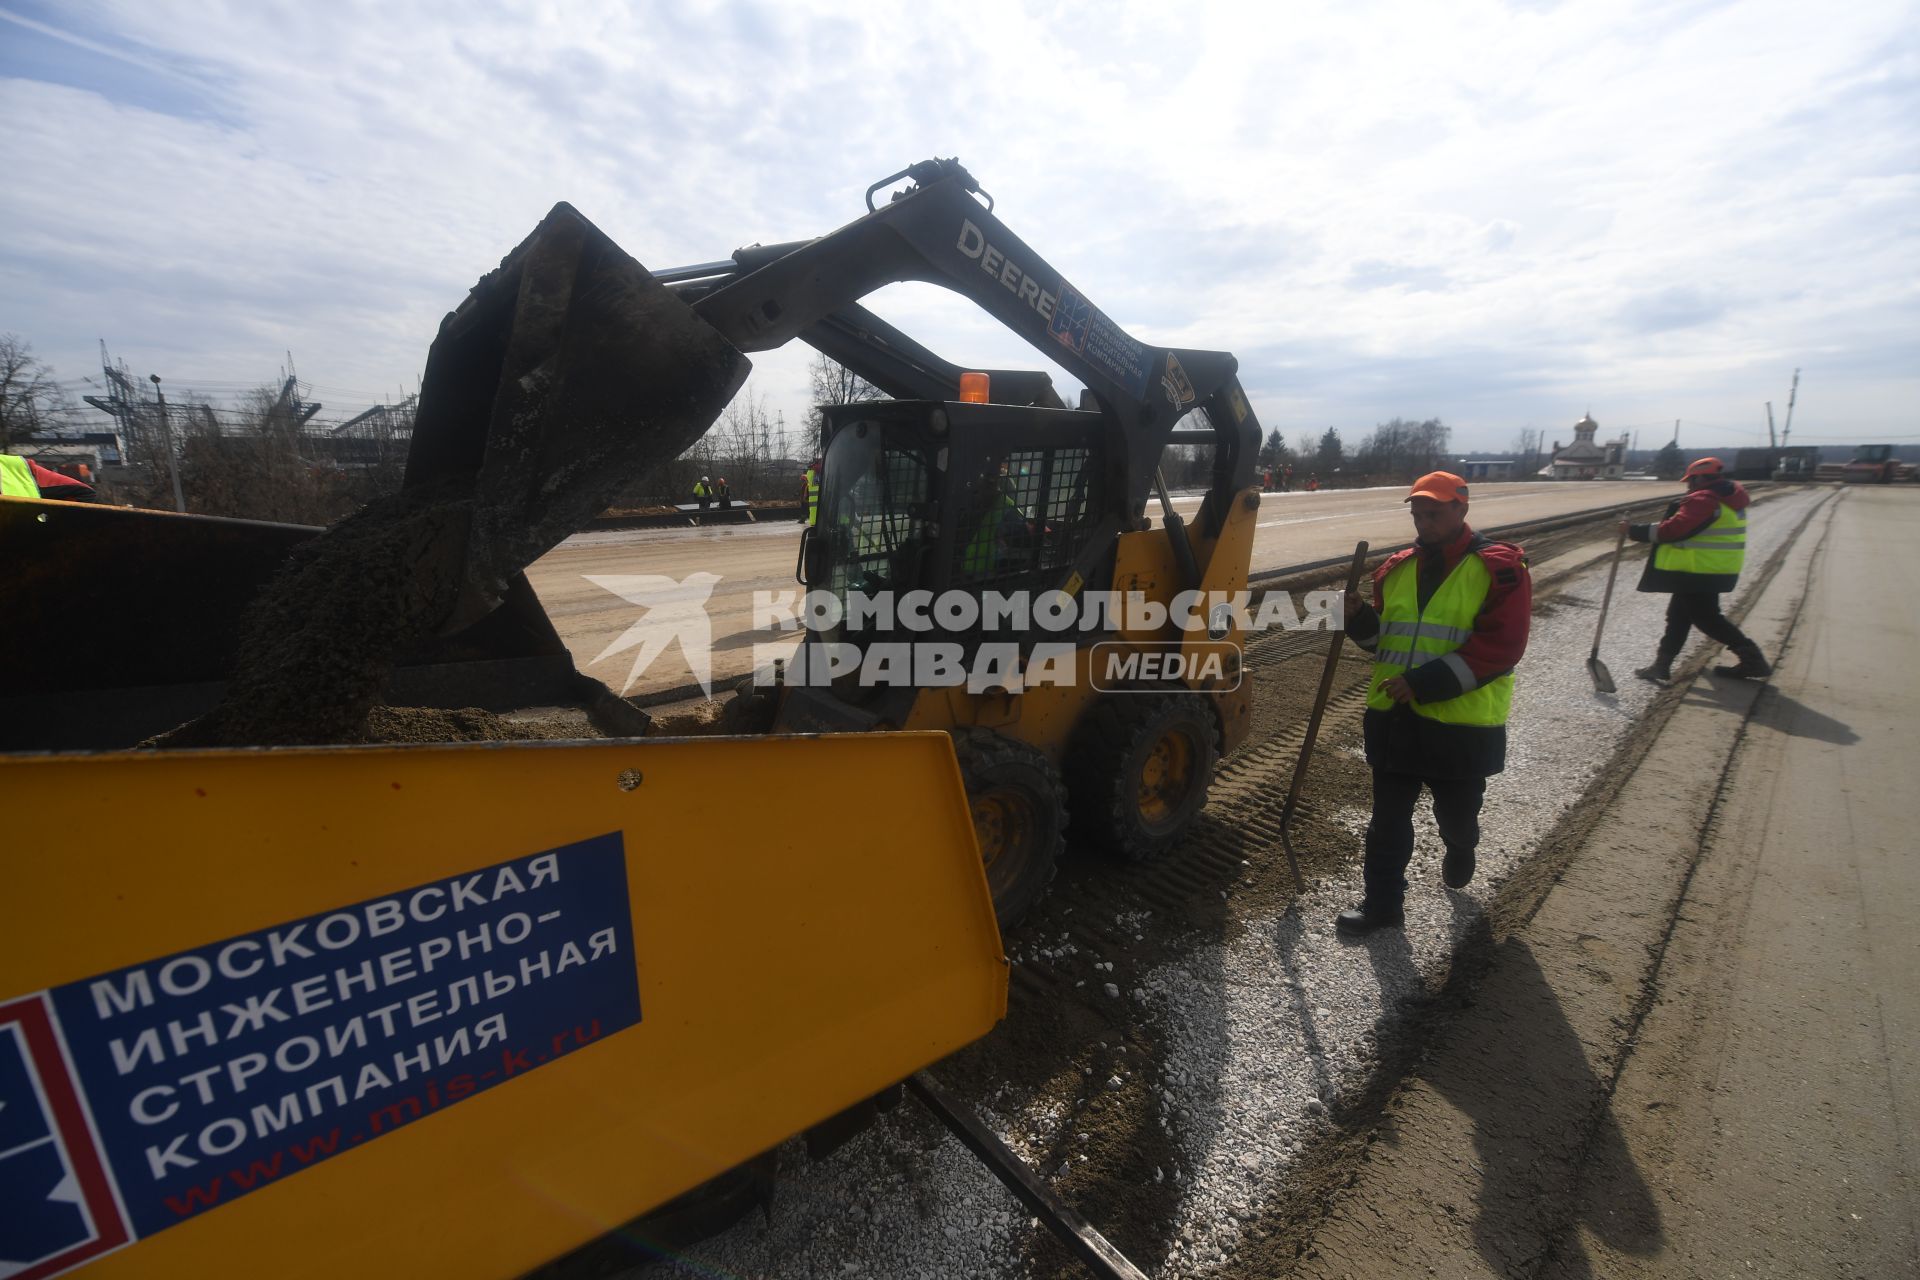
x=1502 y=214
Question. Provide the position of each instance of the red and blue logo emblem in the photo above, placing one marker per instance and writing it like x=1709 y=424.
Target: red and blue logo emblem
x=57 y=1208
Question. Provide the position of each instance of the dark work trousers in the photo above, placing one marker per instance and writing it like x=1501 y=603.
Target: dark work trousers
x=1456 y=807
x=1687 y=610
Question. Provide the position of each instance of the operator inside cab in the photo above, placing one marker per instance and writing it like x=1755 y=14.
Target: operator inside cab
x=1000 y=531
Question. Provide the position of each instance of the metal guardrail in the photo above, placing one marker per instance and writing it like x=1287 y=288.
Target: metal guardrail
x=1524 y=528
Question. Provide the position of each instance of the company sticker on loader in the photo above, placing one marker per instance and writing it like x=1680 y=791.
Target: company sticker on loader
x=137 y=1099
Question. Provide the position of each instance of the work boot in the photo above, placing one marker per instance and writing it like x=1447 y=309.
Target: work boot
x=1456 y=869
x=1751 y=665
x=1660 y=671
x=1358 y=922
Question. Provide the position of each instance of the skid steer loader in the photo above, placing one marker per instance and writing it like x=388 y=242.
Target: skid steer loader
x=977 y=488
x=262 y=928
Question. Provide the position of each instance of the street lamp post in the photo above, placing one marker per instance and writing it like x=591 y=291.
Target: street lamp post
x=166 y=436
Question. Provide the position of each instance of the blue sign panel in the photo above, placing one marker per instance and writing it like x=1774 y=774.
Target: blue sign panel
x=213 y=1072
x=1085 y=329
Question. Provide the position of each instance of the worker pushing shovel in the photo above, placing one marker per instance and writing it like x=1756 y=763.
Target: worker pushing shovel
x=1698 y=550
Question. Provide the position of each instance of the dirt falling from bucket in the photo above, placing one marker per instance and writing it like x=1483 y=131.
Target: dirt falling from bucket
x=318 y=646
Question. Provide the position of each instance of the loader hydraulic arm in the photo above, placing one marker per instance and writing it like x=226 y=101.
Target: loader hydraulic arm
x=938 y=232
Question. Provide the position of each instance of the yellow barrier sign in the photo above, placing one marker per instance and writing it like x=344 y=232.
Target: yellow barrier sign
x=455 y=1010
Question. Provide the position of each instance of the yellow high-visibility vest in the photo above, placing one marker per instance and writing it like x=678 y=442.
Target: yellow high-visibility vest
x=16 y=478
x=1720 y=548
x=1411 y=637
x=813 y=496
x=981 y=552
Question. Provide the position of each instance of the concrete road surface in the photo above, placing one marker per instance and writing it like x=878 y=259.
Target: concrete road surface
x=1293 y=528
x=1772 y=1109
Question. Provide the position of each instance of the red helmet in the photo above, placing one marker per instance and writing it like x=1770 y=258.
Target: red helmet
x=1704 y=467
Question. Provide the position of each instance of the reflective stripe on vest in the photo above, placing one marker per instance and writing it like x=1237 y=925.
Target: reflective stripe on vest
x=1718 y=549
x=1410 y=638
x=16 y=478
x=813 y=496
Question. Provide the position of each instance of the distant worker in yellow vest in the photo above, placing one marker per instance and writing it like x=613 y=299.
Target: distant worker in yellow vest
x=1447 y=625
x=703 y=492
x=1697 y=553
x=810 y=493
x=25 y=478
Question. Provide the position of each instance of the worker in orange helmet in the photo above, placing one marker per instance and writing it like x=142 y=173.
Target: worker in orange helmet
x=1698 y=550
x=1447 y=625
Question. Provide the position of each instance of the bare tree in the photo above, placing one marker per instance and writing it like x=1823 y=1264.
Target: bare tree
x=31 y=402
x=1402 y=449
x=743 y=445
x=1527 y=449
x=833 y=383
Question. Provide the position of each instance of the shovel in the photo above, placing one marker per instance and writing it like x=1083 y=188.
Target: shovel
x=1603 y=678
x=1313 y=722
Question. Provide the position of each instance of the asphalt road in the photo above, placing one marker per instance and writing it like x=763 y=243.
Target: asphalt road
x=1293 y=528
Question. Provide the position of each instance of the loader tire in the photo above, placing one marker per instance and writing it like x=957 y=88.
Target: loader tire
x=751 y=711
x=1019 y=806
x=1138 y=769
x=685 y=1220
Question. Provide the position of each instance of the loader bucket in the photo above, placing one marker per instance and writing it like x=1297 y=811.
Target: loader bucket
x=567 y=373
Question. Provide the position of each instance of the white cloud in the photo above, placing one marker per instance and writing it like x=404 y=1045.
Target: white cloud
x=1497 y=214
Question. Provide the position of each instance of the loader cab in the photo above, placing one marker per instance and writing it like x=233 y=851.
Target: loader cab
x=948 y=497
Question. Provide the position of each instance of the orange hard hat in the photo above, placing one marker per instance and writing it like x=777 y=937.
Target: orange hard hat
x=1704 y=467
x=1441 y=486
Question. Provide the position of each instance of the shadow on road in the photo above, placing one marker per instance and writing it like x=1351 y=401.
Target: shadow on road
x=1540 y=1117
x=1778 y=711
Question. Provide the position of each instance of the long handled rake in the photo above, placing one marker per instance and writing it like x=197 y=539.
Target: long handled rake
x=1603 y=678
x=1313 y=722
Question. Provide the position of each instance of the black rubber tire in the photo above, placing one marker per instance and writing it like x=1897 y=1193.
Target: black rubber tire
x=687 y=1219
x=750 y=711
x=1019 y=807
x=1111 y=752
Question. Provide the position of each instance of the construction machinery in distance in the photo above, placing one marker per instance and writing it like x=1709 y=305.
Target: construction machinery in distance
x=1875 y=464
x=307 y=950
